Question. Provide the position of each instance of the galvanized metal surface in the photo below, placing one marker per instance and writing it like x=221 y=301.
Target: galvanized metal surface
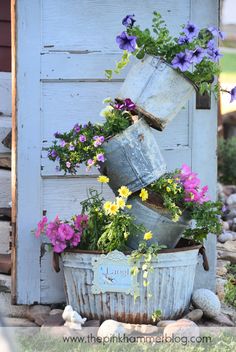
x=171 y=285
x=165 y=231
x=157 y=89
x=133 y=158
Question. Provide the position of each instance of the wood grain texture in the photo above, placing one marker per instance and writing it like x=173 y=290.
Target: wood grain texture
x=5 y=188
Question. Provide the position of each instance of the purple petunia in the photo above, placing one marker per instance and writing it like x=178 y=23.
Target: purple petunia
x=100 y=157
x=233 y=94
x=126 y=42
x=181 y=61
x=82 y=138
x=98 y=140
x=56 y=134
x=183 y=39
x=127 y=105
x=216 y=32
x=128 y=21
x=53 y=153
x=196 y=55
x=71 y=147
x=191 y=30
x=90 y=162
x=68 y=164
x=63 y=144
x=77 y=128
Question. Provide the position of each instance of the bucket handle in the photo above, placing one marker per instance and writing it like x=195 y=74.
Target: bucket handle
x=55 y=262
x=205 y=263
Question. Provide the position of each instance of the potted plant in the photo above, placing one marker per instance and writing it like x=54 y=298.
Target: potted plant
x=169 y=68
x=169 y=204
x=124 y=148
x=98 y=266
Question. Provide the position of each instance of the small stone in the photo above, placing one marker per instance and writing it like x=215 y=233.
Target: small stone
x=182 y=328
x=54 y=320
x=92 y=323
x=225 y=225
x=207 y=301
x=110 y=328
x=221 y=269
x=231 y=214
x=228 y=190
x=164 y=323
x=231 y=200
x=194 y=315
x=18 y=322
x=223 y=320
x=225 y=236
x=226 y=255
x=56 y=311
x=140 y=329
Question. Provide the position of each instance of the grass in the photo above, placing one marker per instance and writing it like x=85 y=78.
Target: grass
x=228 y=67
x=223 y=342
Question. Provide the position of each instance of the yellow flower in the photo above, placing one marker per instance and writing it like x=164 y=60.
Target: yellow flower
x=120 y=202
x=107 y=111
x=113 y=209
x=107 y=206
x=147 y=236
x=129 y=206
x=168 y=189
x=124 y=192
x=143 y=194
x=103 y=179
x=175 y=218
x=169 y=181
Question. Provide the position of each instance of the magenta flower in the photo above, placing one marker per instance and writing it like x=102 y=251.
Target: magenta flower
x=75 y=240
x=81 y=221
x=100 y=157
x=191 y=30
x=65 y=232
x=59 y=246
x=233 y=94
x=41 y=226
x=127 y=105
x=126 y=42
x=98 y=140
x=181 y=61
x=82 y=138
x=128 y=21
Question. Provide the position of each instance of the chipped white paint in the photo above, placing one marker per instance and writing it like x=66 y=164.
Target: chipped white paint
x=171 y=286
x=62 y=50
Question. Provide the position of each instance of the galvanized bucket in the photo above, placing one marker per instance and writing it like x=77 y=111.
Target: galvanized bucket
x=157 y=89
x=171 y=286
x=133 y=158
x=156 y=219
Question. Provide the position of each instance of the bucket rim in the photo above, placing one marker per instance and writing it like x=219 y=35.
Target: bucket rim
x=162 y=251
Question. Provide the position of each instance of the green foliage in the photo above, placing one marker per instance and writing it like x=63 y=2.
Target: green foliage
x=230 y=287
x=227 y=160
x=156 y=316
x=119 y=65
x=116 y=122
x=141 y=259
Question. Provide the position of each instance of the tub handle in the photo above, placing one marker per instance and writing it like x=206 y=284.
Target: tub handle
x=55 y=262
x=205 y=263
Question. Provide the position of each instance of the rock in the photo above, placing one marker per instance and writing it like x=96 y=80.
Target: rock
x=231 y=214
x=92 y=323
x=229 y=312
x=110 y=328
x=220 y=288
x=7 y=309
x=56 y=311
x=18 y=322
x=194 y=315
x=228 y=190
x=54 y=320
x=61 y=331
x=223 y=320
x=182 y=328
x=207 y=301
x=228 y=251
x=226 y=255
x=225 y=236
x=164 y=323
x=225 y=225
x=221 y=269
x=138 y=329
x=231 y=200
x=38 y=314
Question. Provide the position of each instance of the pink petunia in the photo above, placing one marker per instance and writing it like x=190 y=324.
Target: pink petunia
x=65 y=232
x=41 y=226
x=81 y=221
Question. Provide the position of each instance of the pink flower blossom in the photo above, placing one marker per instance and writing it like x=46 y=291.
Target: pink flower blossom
x=76 y=239
x=81 y=221
x=59 y=246
x=41 y=226
x=65 y=232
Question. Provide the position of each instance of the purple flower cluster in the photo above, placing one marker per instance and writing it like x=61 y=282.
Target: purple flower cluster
x=233 y=94
x=216 y=32
x=128 y=21
x=212 y=51
x=98 y=140
x=194 y=193
x=127 y=105
x=62 y=234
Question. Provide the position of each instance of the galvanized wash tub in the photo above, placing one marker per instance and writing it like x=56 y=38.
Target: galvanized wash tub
x=158 y=220
x=157 y=89
x=133 y=158
x=171 y=285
